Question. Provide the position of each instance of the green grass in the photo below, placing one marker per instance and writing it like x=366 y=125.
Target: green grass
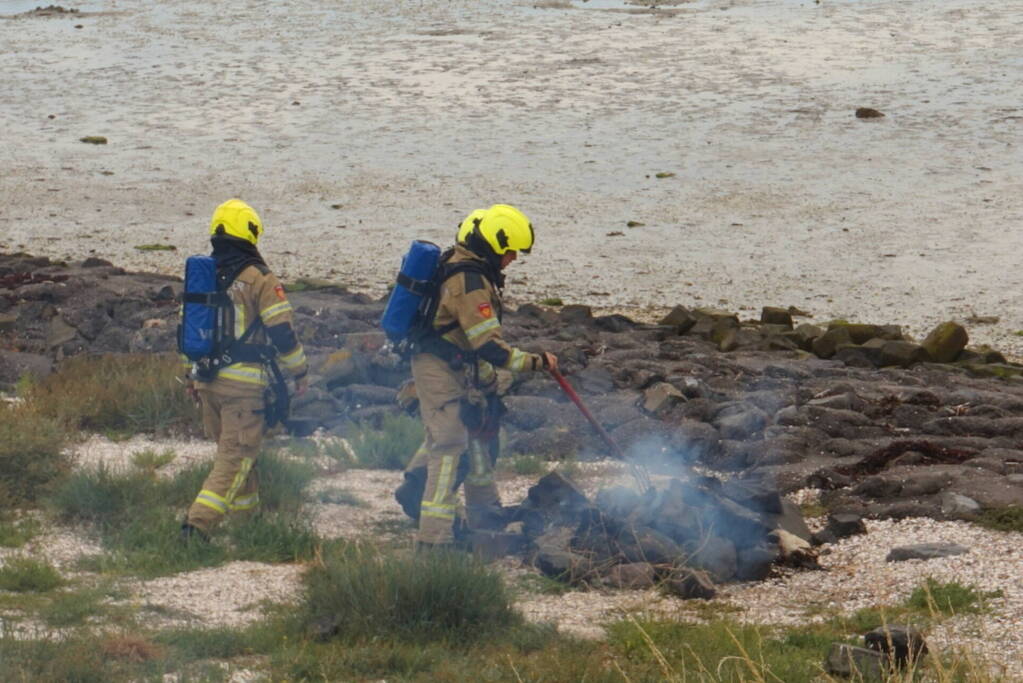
x=73 y=607
x=137 y=518
x=116 y=393
x=950 y=598
x=552 y=301
x=32 y=454
x=407 y=597
x=1002 y=519
x=26 y=574
x=392 y=446
x=151 y=461
x=16 y=533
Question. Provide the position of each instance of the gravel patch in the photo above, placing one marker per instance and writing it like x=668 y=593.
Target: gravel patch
x=116 y=456
x=230 y=595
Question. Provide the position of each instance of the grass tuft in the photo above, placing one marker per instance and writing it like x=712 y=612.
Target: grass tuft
x=436 y=596
x=25 y=574
x=125 y=393
x=31 y=454
x=16 y=533
x=1002 y=519
x=392 y=446
x=950 y=598
x=138 y=518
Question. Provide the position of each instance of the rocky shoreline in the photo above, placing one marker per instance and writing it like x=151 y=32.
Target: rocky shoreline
x=857 y=420
x=805 y=405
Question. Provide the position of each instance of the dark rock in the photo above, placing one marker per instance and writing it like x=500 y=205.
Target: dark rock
x=902 y=645
x=634 y=576
x=772 y=315
x=679 y=318
x=369 y=394
x=690 y=584
x=614 y=323
x=575 y=314
x=715 y=555
x=945 y=341
x=828 y=343
x=925 y=551
x=593 y=380
x=756 y=563
x=858 y=663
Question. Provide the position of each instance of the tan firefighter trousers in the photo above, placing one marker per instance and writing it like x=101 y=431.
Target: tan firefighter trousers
x=440 y=391
x=232 y=486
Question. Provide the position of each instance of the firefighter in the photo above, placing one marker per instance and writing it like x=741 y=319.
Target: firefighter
x=233 y=401
x=454 y=372
x=410 y=493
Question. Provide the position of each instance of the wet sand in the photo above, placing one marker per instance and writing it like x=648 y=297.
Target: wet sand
x=354 y=127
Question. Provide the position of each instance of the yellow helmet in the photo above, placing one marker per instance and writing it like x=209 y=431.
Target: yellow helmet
x=236 y=219
x=470 y=222
x=504 y=228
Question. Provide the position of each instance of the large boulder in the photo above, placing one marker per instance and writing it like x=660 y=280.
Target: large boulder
x=946 y=341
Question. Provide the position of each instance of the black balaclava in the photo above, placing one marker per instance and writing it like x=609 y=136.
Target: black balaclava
x=232 y=255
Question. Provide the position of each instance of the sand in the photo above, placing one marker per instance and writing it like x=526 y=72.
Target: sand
x=354 y=127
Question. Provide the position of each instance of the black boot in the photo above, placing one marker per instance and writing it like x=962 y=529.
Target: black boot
x=192 y=534
x=410 y=494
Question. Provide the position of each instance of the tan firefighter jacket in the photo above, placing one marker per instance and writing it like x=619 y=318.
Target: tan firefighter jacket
x=257 y=293
x=469 y=314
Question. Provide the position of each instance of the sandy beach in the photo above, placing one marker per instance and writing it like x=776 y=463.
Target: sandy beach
x=355 y=127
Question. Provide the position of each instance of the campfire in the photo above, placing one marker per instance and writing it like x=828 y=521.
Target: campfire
x=687 y=534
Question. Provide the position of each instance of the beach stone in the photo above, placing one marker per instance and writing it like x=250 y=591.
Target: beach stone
x=828 y=343
x=902 y=645
x=661 y=397
x=945 y=342
x=772 y=315
x=689 y=584
x=958 y=506
x=680 y=318
x=849 y=661
x=925 y=551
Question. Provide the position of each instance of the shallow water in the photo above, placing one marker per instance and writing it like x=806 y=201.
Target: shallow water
x=406 y=115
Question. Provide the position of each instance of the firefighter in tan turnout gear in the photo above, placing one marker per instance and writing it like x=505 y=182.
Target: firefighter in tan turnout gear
x=454 y=370
x=233 y=405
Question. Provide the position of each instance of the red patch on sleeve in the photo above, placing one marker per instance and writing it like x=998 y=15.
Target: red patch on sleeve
x=279 y=290
x=485 y=310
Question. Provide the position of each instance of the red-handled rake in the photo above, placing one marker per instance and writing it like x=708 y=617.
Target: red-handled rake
x=638 y=473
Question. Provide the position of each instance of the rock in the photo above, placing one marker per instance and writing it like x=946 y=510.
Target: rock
x=945 y=342
x=661 y=397
x=742 y=423
x=679 y=318
x=634 y=575
x=757 y=562
x=492 y=545
x=93 y=140
x=555 y=559
x=829 y=342
x=858 y=663
x=772 y=315
x=868 y=113
x=841 y=525
x=805 y=334
x=896 y=352
x=958 y=506
x=60 y=332
x=715 y=555
x=575 y=314
x=337 y=369
x=15 y=364
x=614 y=323
x=902 y=645
x=925 y=551
x=690 y=584
x=593 y=380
